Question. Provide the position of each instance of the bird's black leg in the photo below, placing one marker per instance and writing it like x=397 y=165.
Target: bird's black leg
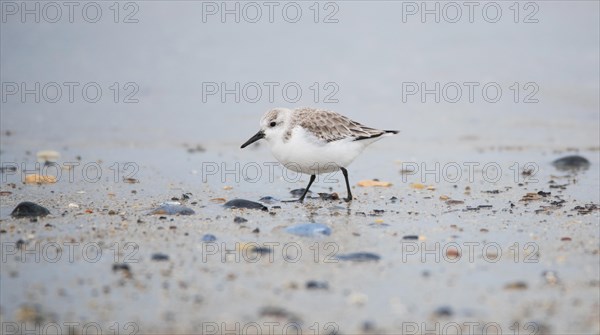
x=312 y=178
x=345 y=172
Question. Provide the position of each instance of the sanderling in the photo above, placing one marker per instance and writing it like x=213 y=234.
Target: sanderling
x=314 y=141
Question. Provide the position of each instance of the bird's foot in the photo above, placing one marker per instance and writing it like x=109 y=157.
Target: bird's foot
x=348 y=199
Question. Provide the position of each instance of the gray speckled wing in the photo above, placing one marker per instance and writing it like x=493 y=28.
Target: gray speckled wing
x=330 y=126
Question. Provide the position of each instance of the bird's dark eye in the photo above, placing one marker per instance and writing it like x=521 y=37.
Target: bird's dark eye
x=272 y=124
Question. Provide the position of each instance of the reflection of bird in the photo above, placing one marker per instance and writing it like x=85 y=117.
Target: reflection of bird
x=314 y=141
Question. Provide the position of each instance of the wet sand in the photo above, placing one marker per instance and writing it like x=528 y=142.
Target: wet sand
x=478 y=231
x=440 y=263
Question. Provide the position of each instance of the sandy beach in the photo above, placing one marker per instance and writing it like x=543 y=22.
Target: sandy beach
x=132 y=116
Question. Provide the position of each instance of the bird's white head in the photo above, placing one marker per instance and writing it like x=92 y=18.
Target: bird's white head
x=273 y=125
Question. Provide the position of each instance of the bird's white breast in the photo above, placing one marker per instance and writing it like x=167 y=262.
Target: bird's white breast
x=305 y=153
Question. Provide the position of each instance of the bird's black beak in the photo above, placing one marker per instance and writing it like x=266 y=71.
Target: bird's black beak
x=254 y=138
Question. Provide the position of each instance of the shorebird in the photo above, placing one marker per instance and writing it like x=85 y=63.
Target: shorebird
x=315 y=141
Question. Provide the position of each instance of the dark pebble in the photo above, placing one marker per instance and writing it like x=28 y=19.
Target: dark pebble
x=261 y=250
x=359 y=257
x=209 y=238
x=121 y=267
x=256 y=231
x=573 y=162
x=4 y=169
x=299 y=191
x=443 y=311
x=527 y=172
x=317 y=285
x=268 y=200
x=410 y=237
x=171 y=209
x=378 y=212
x=239 y=219
x=29 y=209
x=160 y=257
x=242 y=203
x=544 y=194
x=20 y=243
x=329 y=196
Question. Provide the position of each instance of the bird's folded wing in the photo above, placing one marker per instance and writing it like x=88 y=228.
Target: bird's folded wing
x=330 y=126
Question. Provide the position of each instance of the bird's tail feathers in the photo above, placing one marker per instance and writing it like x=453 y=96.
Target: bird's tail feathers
x=384 y=133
